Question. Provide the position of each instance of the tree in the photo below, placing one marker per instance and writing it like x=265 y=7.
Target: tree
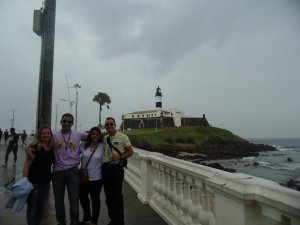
x=102 y=99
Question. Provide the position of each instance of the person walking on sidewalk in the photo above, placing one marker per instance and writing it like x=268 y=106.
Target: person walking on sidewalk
x=38 y=171
x=24 y=137
x=91 y=155
x=117 y=148
x=12 y=145
x=6 y=134
x=1 y=133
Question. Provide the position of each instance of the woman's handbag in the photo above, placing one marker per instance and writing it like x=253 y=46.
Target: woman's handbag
x=83 y=172
x=84 y=175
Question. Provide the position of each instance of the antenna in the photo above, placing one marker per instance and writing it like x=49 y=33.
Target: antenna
x=68 y=88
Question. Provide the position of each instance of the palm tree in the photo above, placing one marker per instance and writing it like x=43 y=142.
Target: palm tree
x=102 y=99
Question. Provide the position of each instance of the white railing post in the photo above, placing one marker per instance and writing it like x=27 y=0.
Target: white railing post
x=147 y=178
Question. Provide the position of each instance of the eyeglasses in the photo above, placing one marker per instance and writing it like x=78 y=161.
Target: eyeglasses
x=109 y=124
x=67 y=122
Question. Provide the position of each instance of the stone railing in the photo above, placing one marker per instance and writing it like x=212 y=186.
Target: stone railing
x=182 y=193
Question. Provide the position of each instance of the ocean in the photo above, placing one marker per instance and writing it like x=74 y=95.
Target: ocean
x=271 y=165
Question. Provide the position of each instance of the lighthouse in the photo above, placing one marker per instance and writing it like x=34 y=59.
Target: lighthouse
x=158 y=98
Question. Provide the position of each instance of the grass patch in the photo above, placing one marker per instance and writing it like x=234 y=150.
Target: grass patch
x=182 y=136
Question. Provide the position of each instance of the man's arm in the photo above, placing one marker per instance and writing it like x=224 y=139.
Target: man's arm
x=128 y=152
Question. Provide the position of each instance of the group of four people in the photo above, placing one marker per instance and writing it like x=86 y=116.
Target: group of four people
x=102 y=157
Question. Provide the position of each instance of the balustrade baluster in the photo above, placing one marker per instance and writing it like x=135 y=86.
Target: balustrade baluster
x=179 y=195
x=155 y=181
x=172 y=192
x=187 y=201
x=206 y=216
x=195 y=208
x=166 y=188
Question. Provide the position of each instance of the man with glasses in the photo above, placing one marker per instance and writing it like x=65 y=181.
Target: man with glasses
x=65 y=169
x=117 y=147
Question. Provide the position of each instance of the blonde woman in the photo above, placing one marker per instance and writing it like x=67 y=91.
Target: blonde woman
x=38 y=171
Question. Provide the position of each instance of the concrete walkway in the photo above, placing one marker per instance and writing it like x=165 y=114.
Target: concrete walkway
x=135 y=212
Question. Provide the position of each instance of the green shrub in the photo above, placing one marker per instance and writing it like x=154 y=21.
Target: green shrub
x=190 y=140
x=170 y=140
x=180 y=140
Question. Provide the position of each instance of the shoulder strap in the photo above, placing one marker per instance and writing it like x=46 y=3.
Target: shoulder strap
x=87 y=163
x=112 y=147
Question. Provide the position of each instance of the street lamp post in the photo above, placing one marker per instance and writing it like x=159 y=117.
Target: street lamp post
x=70 y=102
x=56 y=116
x=13 y=118
x=76 y=86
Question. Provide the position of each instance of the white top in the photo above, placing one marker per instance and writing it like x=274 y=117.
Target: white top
x=94 y=167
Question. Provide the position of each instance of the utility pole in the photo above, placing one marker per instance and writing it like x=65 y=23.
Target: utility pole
x=44 y=26
x=13 y=118
x=76 y=86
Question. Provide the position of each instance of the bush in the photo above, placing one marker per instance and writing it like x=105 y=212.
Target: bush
x=190 y=140
x=180 y=140
x=170 y=140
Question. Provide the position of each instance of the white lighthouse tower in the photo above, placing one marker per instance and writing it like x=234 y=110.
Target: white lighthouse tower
x=158 y=98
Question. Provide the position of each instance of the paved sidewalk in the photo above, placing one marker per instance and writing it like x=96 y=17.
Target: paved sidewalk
x=135 y=212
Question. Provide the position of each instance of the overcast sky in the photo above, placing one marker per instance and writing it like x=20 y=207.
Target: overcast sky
x=236 y=61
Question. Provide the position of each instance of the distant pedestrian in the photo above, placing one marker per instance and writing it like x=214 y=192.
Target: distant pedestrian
x=6 y=136
x=38 y=171
x=24 y=137
x=12 y=145
x=1 y=133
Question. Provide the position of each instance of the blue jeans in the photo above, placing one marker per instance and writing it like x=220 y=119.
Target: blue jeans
x=36 y=203
x=61 y=179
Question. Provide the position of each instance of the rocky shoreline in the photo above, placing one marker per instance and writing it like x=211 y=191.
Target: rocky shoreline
x=209 y=151
x=210 y=154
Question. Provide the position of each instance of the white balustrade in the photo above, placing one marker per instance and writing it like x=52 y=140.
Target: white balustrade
x=184 y=193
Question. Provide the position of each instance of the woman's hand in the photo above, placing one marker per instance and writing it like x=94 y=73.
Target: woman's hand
x=29 y=153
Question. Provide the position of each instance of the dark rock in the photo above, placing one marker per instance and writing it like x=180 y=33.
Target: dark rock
x=289 y=159
x=255 y=164
x=292 y=183
x=220 y=167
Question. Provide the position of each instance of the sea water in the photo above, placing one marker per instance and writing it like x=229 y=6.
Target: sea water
x=273 y=165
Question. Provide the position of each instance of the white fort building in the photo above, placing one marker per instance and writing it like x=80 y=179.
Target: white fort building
x=160 y=117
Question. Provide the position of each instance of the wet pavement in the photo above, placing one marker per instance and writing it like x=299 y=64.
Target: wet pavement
x=134 y=210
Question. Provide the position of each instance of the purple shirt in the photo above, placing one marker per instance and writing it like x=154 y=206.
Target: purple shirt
x=66 y=149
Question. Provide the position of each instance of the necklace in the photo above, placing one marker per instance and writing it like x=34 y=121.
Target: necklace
x=66 y=142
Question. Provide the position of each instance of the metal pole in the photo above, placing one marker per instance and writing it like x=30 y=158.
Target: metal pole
x=13 y=118
x=76 y=86
x=56 y=116
x=47 y=33
x=76 y=107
